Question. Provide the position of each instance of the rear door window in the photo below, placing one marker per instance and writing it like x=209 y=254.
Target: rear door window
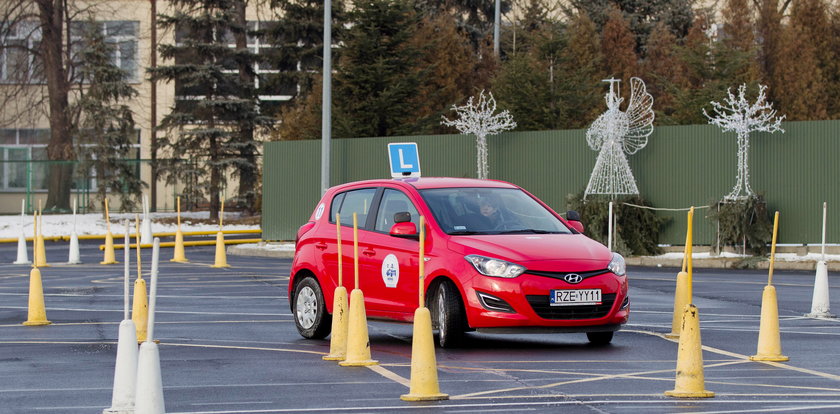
x=356 y=201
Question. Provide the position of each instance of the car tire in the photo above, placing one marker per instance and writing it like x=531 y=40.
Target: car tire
x=448 y=316
x=310 y=311
x=599 y=338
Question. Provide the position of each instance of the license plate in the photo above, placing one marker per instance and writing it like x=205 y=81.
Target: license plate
x=575 y=297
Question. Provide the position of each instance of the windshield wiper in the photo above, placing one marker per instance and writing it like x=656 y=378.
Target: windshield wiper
x=523 y=231
x=464 y=232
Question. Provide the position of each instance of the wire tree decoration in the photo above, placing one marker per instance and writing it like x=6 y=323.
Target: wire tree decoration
x=737 y=114
x=615 y=133
x=479 y=119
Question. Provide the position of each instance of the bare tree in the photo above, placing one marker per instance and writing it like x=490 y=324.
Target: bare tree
x=38 y=76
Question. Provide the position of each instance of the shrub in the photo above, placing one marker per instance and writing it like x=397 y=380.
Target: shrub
x=636 y=229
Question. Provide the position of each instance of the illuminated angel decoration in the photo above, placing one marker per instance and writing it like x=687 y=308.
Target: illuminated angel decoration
x=615 y=133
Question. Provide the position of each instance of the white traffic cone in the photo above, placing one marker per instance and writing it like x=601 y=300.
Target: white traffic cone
x=820 y=302
x=22 y=257
x=125 y=372
x=74 y=250
x=149 y=383
x=149 y=394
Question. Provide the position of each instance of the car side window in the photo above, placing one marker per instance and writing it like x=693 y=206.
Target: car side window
x=356 y=201
x=335 y=206
x=394 y=201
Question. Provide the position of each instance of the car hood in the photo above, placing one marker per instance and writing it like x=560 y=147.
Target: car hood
x=528 y=249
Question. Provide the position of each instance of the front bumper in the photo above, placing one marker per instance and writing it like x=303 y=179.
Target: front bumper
x=529 y=306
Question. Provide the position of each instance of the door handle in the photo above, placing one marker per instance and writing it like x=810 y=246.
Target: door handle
x=321 y=245
x=369 y=252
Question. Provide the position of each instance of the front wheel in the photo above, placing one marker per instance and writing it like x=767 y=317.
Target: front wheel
x=599 y=338
x=311 y=317
x=448 y=315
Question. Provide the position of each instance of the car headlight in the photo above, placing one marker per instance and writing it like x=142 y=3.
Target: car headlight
x=617 y=265
x=495 y=267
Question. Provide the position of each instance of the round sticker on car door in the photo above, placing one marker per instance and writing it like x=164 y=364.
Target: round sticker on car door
x=390 y=271
x=320 y=211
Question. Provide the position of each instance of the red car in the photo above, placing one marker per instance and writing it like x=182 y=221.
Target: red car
x=497 y=258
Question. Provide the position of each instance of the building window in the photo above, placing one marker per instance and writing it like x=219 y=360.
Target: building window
x=24 y=163
x=18 y=53
x=121 y=35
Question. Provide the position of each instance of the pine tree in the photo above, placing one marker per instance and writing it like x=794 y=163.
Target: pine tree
x=107 y=131
x=618 y=47
x=378 y=76
x=213 y=128
x=523 y=88
x=297 y=38
x=738 y=35
x=663 y=71
x=799 y=79
x=832 y=69
x=768 y=31
x=642 y=16
x=581 y=72
x=451 y=65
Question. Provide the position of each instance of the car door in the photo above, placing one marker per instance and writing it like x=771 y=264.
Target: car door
x=391 y=263
x=344 y=204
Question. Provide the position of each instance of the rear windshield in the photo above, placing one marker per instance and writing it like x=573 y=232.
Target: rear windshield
x=490 y=211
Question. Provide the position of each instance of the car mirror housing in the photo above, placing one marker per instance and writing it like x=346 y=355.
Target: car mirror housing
x=573 y=217
x=406 y=230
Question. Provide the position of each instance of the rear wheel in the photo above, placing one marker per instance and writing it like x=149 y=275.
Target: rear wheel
x=448 y=315
x=599 y=338
x=311 y=317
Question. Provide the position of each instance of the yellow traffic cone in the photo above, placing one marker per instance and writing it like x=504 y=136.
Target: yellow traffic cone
x=424 y=381
x=109 y=257
x=37 y=312
x=690 y=381
x=221 y=257
x=140 y=309
x=179 y=248
x=358 y=342
x=338 y=335
x=680 y=300
x=769 y=340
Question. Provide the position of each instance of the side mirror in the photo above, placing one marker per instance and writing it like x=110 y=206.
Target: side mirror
x=573 y=217
x=402 y=217
x=405 y=230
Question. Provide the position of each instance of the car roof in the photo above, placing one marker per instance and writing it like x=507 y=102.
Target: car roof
x=434 y=182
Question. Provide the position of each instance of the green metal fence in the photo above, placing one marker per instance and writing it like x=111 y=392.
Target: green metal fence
x=680 y=167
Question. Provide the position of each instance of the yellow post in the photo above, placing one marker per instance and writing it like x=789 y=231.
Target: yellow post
x=424 y=380
x=358 y=342
x=140 y=308
x=178 y=255
x=769 y=338
x=37 y=315
x=683 y=292
x=110 y=256
x=41 y=254
x=338 y=335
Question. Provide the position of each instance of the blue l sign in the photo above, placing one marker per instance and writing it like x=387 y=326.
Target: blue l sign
x=405 y=159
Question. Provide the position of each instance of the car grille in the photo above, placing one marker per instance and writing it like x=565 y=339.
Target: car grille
x=561 y=275
x=542 y=306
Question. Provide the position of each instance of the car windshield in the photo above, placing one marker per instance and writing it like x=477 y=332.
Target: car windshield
x=465 y=211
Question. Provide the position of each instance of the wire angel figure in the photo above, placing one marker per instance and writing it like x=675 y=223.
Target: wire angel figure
x=616 y=132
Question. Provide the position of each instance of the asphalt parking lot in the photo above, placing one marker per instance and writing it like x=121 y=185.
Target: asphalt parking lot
x=228 y=344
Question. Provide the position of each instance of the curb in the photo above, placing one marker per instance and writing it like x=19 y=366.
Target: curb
x=275 y=250
x=729 y=263
x=285 y=250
